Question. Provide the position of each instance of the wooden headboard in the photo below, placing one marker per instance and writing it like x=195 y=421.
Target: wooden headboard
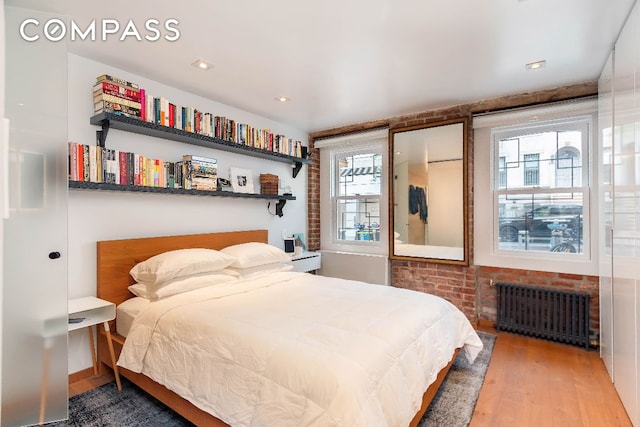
x=117 y=257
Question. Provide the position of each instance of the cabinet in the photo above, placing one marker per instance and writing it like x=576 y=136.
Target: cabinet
x=108 y=121
x=619 y=197
x=306 y=262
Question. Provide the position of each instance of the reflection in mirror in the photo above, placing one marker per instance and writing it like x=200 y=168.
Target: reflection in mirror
x=428 y=196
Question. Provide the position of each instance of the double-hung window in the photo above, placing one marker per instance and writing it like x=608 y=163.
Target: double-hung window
x=532 y=185
x=353 y=200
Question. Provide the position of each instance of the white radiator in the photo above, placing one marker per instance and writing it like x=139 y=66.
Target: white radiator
x=363 y=267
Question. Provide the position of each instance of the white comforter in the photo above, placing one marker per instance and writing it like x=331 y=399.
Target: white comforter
x=295 y=349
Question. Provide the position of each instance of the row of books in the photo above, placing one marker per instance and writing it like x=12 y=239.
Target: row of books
x=122 y=97
x=89 y=163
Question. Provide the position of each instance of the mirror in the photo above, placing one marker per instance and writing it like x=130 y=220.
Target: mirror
x=428 y=201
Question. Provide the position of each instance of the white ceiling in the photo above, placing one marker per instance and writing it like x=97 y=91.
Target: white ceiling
x=350 y=61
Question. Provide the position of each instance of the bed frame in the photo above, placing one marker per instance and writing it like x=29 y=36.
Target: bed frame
x=117 y=257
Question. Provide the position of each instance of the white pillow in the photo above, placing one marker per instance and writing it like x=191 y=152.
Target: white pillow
x=179 y=263
x=180 y=285
x=259 y=270
x=253 y=254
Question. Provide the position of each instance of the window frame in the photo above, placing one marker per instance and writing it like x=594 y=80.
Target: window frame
x=487 y=190
x=376 y=142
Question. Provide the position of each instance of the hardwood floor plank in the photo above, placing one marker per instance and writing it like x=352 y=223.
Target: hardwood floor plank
x=533 y=382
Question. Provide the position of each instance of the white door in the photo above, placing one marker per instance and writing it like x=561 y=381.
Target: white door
x=34 y=273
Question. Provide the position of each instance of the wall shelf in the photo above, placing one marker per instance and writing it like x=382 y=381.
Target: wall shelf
x=107 y=120
x=81 y=185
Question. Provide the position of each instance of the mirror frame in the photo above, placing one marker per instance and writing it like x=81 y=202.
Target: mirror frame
x=465 y=191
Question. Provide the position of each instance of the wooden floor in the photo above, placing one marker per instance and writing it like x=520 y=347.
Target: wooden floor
x=530 y=382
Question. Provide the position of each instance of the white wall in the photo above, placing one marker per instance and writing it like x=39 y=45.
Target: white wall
x=101 y=215
x=352 y=266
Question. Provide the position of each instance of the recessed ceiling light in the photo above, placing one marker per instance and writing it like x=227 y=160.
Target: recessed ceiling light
x=536 y=65
x=282 y=98
x=201 y=64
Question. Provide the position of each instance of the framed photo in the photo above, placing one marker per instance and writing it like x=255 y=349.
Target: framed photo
x=241 y=180
x=298 y=239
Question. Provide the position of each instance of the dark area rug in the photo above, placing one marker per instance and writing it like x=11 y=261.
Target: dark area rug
x=456 y=400
x=104 y=406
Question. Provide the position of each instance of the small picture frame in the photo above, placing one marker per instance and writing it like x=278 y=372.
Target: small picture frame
x=241 y=180
x=298 y=239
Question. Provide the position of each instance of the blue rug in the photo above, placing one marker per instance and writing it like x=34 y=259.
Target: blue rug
x=104 y=406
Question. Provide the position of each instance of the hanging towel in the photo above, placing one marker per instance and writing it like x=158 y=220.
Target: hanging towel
x=422 y=200
x=414 y=203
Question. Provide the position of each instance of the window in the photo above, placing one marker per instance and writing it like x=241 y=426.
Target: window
x=353 y=209
x=532 y=189
x=531 y=169
x=357 y=198
x=543 y=211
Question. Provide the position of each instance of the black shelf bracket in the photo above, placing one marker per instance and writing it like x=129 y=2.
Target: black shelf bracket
x=101 y=135
x=279 y=205
x=296 y=168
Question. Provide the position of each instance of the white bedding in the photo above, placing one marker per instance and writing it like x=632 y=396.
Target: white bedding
x=294 y=349
x=127 y=311
x=427 y=251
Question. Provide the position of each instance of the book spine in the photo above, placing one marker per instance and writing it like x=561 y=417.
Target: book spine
x=117 y=108
x=143 y=105
x=85 y=163
x=186 y=174
x=172 y=115
x=156 y=110
x=116 y=99
x=93 y=166
x=117 y=90
x=109 y=78
x=130 y=169
x=104 y=157
x=178 y=183
x=73 y=159
x=156 y=173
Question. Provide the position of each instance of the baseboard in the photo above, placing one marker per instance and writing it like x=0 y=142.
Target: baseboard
x=486 y=325
x=80 y=375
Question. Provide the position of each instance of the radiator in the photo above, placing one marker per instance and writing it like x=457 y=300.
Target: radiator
x=555 y=315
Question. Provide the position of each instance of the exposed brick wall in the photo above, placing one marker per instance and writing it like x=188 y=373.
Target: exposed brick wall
x=313 y=199
x=466 y=287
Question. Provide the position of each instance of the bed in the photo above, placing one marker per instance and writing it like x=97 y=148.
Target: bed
x=297 y=370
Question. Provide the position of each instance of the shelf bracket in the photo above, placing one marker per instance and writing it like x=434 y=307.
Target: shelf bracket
x=296 y=168
x=279 y=207
x=101 y=135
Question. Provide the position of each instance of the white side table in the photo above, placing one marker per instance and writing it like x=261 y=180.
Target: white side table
x=306 y=262
x=88 y=312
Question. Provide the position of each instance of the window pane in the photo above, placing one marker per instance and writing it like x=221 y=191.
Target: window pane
x=544 y=159
x=359 y=219
x=359 y=174
x=541 y=222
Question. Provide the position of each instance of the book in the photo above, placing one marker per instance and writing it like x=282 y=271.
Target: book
x=117 y=90
x=114 y=98
x=107 y=77
x=203 y=172
x=117 y=108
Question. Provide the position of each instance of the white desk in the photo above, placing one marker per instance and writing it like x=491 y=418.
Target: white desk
x=306 y=262
x=91 y=311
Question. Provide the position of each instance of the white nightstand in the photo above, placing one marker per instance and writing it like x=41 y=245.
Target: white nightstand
x=89 y=312
x=306 y=262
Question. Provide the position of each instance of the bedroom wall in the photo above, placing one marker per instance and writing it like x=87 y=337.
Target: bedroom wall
x=102 y=215
x=466 y=287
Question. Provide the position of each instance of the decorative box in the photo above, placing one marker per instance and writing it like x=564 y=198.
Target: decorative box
x=269 y=183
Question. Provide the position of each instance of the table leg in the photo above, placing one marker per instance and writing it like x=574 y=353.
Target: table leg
x=93 y=351
x=113 y=356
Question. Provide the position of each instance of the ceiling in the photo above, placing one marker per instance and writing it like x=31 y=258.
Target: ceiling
x=343 y=62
